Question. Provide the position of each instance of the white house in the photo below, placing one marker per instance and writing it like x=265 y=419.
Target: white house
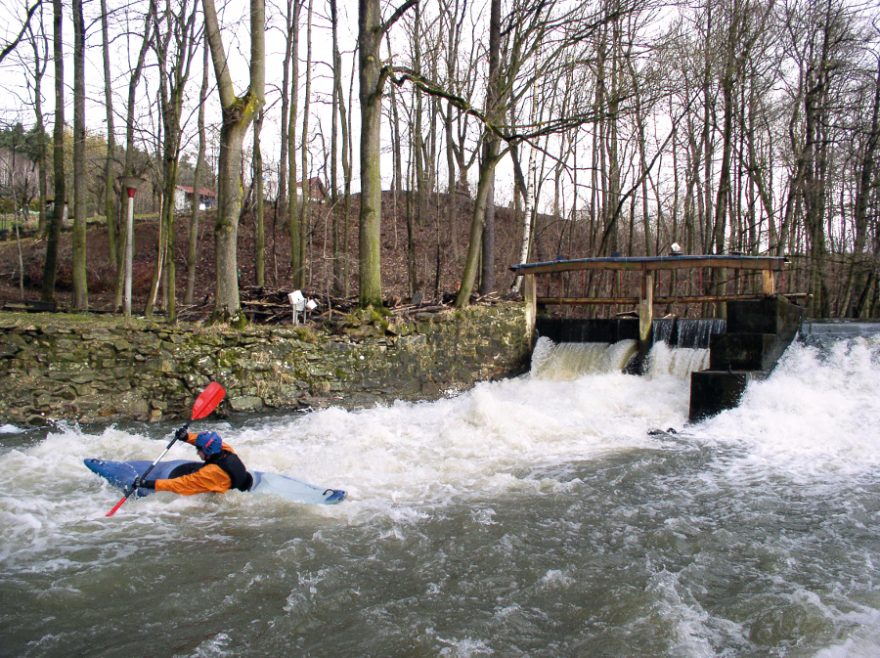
x=317 y=192
x=183 y=198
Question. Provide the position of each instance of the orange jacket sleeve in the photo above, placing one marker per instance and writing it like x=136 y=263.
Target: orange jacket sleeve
x=208 y=479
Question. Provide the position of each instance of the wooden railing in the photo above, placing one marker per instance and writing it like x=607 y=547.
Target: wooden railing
x=768 y=266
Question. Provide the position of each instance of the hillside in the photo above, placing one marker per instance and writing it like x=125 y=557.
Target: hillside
x=440 y=239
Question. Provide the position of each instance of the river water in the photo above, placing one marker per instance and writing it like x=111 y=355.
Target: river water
x=536 y=516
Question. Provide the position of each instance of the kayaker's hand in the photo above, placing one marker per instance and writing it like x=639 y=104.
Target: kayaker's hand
x=181 y=434
x=145 y=484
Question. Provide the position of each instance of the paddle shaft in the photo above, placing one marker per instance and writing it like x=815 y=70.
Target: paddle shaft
x=145 y=473
x=203 y=406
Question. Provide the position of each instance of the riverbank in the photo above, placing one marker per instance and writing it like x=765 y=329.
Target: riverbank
x=93 y=368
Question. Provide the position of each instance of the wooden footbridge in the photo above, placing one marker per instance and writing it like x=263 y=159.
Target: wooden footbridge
x=760 y=323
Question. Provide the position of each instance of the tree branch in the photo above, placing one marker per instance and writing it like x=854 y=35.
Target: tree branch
x=540 y=130
x=14 y=43
x=396 y=16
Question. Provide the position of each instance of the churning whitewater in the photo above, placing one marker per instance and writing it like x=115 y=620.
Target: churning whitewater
x=572 y=511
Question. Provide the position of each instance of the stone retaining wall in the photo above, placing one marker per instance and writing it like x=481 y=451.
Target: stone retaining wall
x=94 y=368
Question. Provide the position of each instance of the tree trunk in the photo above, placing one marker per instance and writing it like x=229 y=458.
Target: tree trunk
x=110 y=214
x=299 y=275
x=192 y=252
x=370 y=31
x=294 y=224
x=238 y=113
x=80 y=281
x=495 y=112
x=335 y=283
x=370 y=216
x=491 y=145
x=346 y=152
x=472 y=260
x=40 y=47
x=860 y=273
x=487 y=275
x=50 y=265
x=259 y=223
x=282 y=202
x=175 y=57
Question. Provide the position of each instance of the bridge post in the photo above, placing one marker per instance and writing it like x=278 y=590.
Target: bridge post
x=646 y=309
x=638 y=365
x=530 y=296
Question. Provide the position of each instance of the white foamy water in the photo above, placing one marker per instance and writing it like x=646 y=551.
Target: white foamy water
x=816 y=418
x=534 y=515
x=568 y=361
x=678 y=361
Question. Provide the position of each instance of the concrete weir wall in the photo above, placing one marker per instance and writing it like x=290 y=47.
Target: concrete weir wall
x=757 y=335
x=94 y=368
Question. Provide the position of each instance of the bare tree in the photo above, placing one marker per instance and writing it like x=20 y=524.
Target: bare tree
x=40 y=51
x=50 y=266
x=192 y=252
x=497 y=93
x=130 y=167
x=259 y=202
x=296 y=231
x=372 y=80
x=80 y=279
x=175 y=46
x=339 y=140
x=862 y=275
x=304 y=207
x=238 y=113
x=110 y=214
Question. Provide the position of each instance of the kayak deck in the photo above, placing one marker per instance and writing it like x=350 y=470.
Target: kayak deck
x=122 y=475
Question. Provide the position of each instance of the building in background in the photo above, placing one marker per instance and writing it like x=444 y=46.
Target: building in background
x=183 y=198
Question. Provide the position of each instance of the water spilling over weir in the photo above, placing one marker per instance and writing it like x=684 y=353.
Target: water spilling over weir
x=532 y=516
x=687 y=332
x=569 y=361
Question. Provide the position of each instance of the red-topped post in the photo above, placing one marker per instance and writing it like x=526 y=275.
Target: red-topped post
x=131 y=184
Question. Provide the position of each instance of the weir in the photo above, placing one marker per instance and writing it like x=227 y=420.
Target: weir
x=753 y=326
x=757 y=334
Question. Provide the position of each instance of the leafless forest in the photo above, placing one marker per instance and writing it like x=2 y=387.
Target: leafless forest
x=442 y=141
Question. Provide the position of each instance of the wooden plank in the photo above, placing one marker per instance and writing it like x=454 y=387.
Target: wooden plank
x=673 y=299
x=586 y=301
x=654 y=263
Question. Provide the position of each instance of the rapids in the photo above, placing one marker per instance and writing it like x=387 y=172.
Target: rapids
x=553 y=514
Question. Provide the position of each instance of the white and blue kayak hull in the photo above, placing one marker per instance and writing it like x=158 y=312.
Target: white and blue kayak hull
x=122 y=475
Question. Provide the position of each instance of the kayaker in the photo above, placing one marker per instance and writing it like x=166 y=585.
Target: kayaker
x=221 y=471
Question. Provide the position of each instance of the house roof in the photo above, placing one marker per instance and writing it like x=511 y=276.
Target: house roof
x=315 y=184
x=203 y=191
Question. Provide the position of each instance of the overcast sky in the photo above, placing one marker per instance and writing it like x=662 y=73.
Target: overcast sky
x=16 y=104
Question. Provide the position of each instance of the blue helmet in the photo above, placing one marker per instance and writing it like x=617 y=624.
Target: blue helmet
x=209 y=443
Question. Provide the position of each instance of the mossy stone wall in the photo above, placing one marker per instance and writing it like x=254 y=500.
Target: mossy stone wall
x=93 y=368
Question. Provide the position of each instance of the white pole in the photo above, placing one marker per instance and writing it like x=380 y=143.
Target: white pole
x=129 y=253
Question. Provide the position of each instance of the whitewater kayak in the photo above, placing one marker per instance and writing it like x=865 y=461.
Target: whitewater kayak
x=122 y=475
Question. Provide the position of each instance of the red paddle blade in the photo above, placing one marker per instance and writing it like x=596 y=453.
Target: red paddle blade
x=208 y=400
x=117 y=506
